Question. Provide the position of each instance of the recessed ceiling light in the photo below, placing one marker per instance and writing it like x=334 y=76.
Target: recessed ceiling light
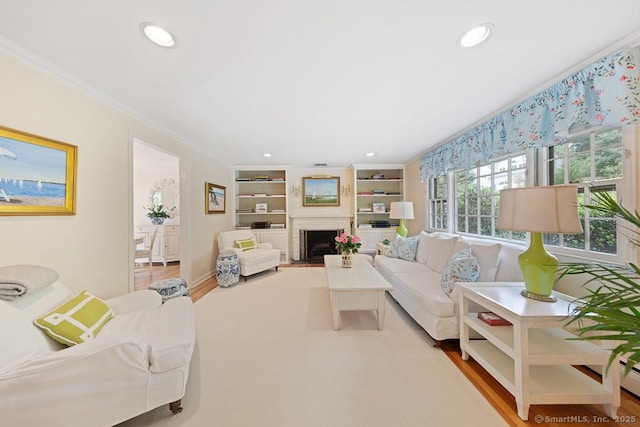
x=371 y=154
x=158 y=35
x=476 y=35
x=266 y=154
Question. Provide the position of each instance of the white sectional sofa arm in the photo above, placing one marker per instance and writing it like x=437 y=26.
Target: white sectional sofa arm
x=135 y=301
x=73 y=362
x=265 y=245
x=172 y=338
x=49 y=390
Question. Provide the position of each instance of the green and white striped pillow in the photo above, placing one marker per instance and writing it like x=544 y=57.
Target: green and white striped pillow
x=246 y=244
x=77 y=320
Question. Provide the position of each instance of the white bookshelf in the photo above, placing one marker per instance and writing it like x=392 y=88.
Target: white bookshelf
x=261 y=197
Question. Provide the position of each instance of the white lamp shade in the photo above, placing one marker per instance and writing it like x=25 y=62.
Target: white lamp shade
x=540 y=209
x=401 y=210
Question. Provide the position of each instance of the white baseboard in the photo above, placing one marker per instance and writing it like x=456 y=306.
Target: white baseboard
x=631 y=382
x=202 y=279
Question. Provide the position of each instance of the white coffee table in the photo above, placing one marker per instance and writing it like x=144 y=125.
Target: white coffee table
x=358 y=288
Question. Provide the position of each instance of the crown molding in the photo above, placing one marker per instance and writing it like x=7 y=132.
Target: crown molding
x=34 y=61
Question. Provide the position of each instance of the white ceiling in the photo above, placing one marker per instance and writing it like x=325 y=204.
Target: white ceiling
x=315 y=81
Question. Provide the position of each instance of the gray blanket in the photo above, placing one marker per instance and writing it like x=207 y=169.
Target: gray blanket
x=17 y=280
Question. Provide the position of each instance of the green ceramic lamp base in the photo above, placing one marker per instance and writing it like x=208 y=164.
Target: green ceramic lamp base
x=402 y=230
x=538 y=270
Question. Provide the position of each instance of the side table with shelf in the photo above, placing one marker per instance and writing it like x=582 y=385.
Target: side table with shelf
x=533 y=358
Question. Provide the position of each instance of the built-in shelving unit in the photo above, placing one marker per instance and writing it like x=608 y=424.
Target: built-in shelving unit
x=376 y=187
x=261 y=204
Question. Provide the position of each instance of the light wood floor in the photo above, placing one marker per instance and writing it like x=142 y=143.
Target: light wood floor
x=498 y=396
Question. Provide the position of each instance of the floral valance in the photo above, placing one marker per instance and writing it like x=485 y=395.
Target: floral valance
x=605 y=93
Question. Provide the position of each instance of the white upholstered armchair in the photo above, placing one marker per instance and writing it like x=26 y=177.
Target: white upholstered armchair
x=255 y=257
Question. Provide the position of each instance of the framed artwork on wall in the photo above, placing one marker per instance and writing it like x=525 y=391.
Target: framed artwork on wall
x=215 y=198
x=379 y=208
x=37 y=175
x=321 y=191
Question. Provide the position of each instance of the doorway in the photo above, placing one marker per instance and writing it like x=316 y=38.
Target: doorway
x=156 y=175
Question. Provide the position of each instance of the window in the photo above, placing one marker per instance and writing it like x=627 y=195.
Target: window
x=593 y=161
x=477 y=195
x=437 y=195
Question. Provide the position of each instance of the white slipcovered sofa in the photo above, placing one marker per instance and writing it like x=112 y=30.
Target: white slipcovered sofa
x=138 y=361
x=417 y=282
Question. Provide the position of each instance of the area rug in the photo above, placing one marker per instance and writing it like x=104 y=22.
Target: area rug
x=267 y=355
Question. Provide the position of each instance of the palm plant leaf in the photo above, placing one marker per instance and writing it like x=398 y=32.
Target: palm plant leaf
x=610 y=311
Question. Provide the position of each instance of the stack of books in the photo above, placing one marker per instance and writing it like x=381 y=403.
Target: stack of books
x=379 y=224
x=261 y=224
x=493 y=319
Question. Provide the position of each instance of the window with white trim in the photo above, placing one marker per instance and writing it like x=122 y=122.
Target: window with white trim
x=594 y=162
x=477 y=195
x=437 y=199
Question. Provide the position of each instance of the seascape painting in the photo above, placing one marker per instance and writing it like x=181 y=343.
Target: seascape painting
x=215 y=198
x=37 y=175
x=321 y=191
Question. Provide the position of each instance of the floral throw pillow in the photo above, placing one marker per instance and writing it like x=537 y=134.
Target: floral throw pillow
x=461 y=267
x=403 y=248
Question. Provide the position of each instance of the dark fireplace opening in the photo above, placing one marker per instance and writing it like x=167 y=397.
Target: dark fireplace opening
x=315 y=244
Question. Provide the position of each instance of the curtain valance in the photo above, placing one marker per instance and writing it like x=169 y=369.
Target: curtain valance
x=605 y=93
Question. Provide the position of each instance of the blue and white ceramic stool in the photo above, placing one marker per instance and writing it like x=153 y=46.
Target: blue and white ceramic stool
x=171 y=288
x=227 y=269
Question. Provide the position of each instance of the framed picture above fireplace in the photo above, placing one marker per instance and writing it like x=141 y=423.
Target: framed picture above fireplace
x=321 y=191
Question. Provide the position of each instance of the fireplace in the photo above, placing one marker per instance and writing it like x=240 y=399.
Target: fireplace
x=315 y=244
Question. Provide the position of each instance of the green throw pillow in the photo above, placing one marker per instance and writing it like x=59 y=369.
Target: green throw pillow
x=77 y=320
x=246 y=244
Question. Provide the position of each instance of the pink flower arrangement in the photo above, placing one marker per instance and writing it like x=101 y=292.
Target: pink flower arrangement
x=348 y=243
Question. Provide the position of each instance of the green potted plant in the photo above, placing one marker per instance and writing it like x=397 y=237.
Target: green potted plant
x=157 y=214
x=610 y=311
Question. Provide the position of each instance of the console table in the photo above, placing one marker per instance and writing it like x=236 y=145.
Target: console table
x=532 y=359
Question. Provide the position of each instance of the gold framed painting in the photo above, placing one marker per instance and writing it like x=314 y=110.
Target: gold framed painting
x=215 y=198
x=37 y=175
x=321 y=191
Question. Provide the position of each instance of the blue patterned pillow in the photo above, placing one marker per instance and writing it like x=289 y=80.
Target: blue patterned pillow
x=403 y=248
x=461 y=267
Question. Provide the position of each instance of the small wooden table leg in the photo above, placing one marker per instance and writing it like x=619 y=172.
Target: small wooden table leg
x=176 y=407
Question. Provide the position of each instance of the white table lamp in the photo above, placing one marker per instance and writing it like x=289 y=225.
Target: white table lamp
x=539 y=210
x=401 y=211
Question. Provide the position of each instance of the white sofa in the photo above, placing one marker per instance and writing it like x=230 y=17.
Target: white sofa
x=417 y=283
x=138 y=361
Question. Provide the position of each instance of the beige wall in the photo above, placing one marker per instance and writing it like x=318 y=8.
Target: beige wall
x=416 y=193
x=91 y=250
